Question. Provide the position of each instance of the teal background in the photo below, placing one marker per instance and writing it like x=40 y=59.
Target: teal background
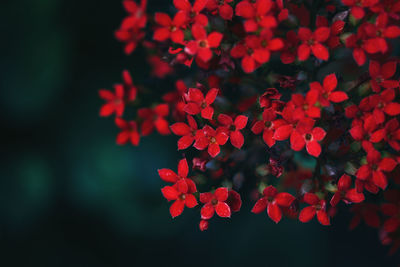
x=70 y=197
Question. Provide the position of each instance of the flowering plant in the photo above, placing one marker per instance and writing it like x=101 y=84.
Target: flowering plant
x=292 y=105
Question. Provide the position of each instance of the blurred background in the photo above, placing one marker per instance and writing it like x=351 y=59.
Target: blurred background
x=70 y=197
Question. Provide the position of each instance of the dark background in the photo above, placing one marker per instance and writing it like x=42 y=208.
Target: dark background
x=70 y=197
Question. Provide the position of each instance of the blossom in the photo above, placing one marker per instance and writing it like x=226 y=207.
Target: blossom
x=381 y=74
x=327 y=91
x=208 y=137
x=116 y=101
x=197 y=103
x=215 y=202
x=193 y=13
x=225 y=11
x=375 y=168
x=154 y=118
x=170 y=28
x=317 y=206
x=305 y=134
x=203 y=43
x=273 y=202
x=129 y=132
x=187 y=131
x=256 y=15
x=312 y=42
x=182 y=195
x=232 y=128
x=345 y=193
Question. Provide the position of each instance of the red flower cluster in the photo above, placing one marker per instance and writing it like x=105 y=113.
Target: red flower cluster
x=318 y=82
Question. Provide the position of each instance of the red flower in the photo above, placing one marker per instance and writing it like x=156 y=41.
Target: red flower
x=390 y=133
x=380 y=75
x=202 y=44
x=215 y=202
x=225 y=11
x=232 y=128
x=345 y=193
x=306 y=135
x=256 y=15
x=311 y=42
x=273 y=202
x=182 y=195
x=171 y=177
x=208 y=137
x=318 y=206
x=116 y=102
x=154 y=118
x=187 y=131
x=255 y=51
x=129 y=132
x=307 y=105
x=170 y=28
x=379 y=32
x=193 y=12
x=357 y=42
x=131 y=30
x=357 y=6
x=268 y=126
x=326 y=91
x=375 y=168
x=197 y=103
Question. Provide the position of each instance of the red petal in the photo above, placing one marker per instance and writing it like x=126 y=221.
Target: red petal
x=214 y=39
x=221 y=194
x=318 y=133
x=180 y=128
x=192 y=108
x=167 y=175
x=211 y=95
x=392 y=109
x=206 y=197
x=237 y=139
x=223 y=210
x=297 y=142
x=207 y=113
x=387 y=164
x=213 y=150
x=183 y=168
x=240 y=122
x=260 y=205
x=303 y=52
x=313 y=148
x=337 y=97
x=354 y=196
x=176 y=208
x=322 y=34
x=379 y=179
x=207 y=211
x=185 y=141
x=284 y=199
x=330 y=82
x=283 y=132
x=307 y=214
x=170 y=193
x=323 y=218
x=274 y=212
x=190 y=201
x=311 y=198
x=320 y=51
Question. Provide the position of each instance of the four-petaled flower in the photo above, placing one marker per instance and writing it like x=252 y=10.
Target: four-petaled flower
x=317 y=206
x=273 y=202
x=215 y=202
